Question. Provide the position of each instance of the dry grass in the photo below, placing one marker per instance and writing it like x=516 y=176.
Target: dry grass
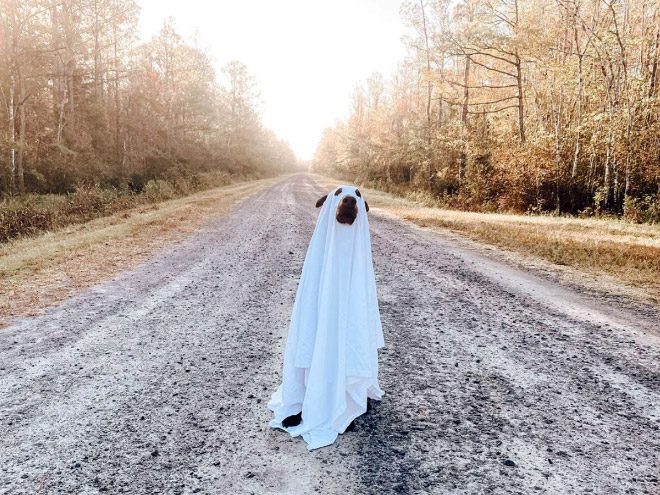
x=611 y=252
x=39 y=272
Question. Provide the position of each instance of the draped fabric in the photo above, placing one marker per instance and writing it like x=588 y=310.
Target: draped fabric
x=331 y=356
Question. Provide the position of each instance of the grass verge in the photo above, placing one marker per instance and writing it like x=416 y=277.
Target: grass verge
x=31 y=214
x=40 y=271
x=613 y=254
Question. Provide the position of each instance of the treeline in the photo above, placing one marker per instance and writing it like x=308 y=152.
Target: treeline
x=514 y=105
x=83 y=103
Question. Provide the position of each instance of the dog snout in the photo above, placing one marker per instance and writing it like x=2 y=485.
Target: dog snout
x=347 y=210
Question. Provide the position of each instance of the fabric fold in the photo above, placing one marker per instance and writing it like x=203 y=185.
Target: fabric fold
x=331 y=355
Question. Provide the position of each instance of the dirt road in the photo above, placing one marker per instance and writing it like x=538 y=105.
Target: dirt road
x=496 y=381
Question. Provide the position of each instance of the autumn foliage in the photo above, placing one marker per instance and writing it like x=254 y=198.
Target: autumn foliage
x=514 y=105
x=85 y=104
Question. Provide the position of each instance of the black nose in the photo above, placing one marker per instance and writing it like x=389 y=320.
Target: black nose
x=349 y=200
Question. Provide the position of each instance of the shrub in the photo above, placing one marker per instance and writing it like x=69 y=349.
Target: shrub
x=642 y=210
x=33 y=213
x=24 y=221
x=88 y=202
x=158 y=190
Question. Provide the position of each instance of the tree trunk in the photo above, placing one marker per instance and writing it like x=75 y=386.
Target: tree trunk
x=429 y=95
x=20 y=176
x=464 y=118
x=578 y=125
x=55 y=45
x=606 y=181
x=72 y=106
x=466 y=92
x=558 y=118
x=521 y=109
x=70 y=65
x=118 y=150
x=654 y=65
x=12 y=132
x=428 y=72
x=98 y=89
x=608 y=158
x=60 y=118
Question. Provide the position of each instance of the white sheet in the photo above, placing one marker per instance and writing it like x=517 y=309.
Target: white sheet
x=331 y=357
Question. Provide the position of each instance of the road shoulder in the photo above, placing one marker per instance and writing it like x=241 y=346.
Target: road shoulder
x=40 y=272
x=604 y=292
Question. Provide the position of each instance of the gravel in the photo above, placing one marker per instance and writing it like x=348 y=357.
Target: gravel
x=496 y=380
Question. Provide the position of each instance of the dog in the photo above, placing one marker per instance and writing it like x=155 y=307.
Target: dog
x=347 y=210
x=297 y=418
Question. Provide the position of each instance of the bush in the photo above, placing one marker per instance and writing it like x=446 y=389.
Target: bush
x=88 y=202
x=158 y=190
x=24 y=221
x=33 y=213
x=642 y=210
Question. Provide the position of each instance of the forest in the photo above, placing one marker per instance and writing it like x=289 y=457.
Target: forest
x=513 y=106
x=84 y=103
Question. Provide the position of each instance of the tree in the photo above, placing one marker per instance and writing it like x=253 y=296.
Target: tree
x=83 y=102
x=546 y=106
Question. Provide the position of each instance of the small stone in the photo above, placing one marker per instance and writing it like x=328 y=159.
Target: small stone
x=509 y=463
x=155 y=453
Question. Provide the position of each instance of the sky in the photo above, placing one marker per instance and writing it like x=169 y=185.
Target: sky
x=307 y=55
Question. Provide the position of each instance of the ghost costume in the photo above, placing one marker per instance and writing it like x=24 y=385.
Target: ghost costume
x=331 y=357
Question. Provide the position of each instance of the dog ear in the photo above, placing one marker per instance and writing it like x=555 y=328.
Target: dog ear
x=359 y=195
x=321 y=201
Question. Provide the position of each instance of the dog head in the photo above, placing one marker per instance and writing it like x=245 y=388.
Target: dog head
x=347 y=209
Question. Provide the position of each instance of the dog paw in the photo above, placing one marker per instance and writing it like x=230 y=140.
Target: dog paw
x=292 y=420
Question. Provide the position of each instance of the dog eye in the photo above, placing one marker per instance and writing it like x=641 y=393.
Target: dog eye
x=338 y=192
x=357 y=191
